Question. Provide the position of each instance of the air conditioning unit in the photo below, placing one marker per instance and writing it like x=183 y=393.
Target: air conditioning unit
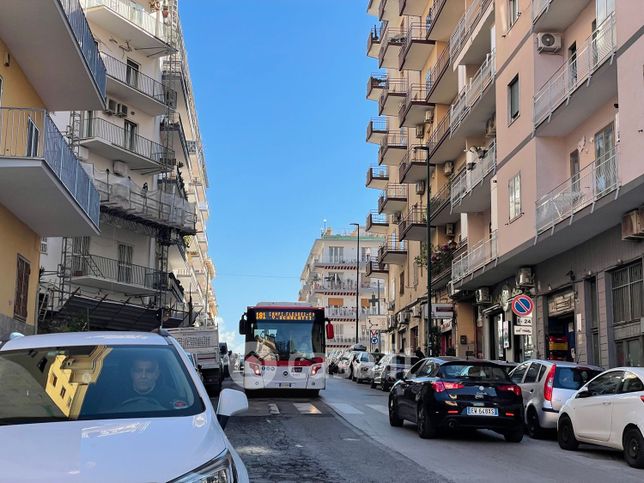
x=450 y=228
x=633 y=225
x=111 y=107
x=121 y=110
x=420 y=131
x=170 y=98
x=429 y=117
x=482 y=295
x=120 y=168
x=166 y=161
x=420 y=187
x=549 y=42
x=448 y=168
x=490 y=127
x=416 y=312
x=451 y=290
x=397 y=217
x=525 y=278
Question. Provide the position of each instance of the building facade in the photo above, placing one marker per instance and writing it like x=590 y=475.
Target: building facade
x=330 y=280
x=535 y=187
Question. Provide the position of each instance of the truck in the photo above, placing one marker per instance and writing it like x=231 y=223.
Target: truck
x=203 y=342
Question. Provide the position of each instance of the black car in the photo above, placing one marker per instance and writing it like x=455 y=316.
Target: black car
x=447 y=393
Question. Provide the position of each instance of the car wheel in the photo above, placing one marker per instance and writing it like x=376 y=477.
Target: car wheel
x=426 y=428
x=314 y=393
x=373 y=385
x=633 y=447
x=535 y=431
x=384 y=386
x=514 y=436
x=394 y=419
x=566 y=434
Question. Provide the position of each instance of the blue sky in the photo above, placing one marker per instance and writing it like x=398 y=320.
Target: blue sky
x=280 y=88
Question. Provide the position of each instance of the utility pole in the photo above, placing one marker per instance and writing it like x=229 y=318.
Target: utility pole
x=357 y=225
x=428 y=252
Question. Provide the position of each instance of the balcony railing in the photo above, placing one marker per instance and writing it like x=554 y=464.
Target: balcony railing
x=395 y=139
x=474 y=258
x=378 y=173
x=415 y=32
x=349 y=312
x=439 y=132
x=415 y=155
x=433 y=13
x=415 y=93
x=417 y=215
x=437 y=70
x=134 y=13
x=573 y=73
x=139 y=81
x=590 y=184
x=395 y=37
x=468 y=179
x=394 y=191
x=393 y=244
x=392 y=86
x=31 y=134
x=118 y=271
x=376 y=218
x=472 y=91
x=440 y=199
x=118 y=136
x=466 y=26
x=85 y=39
x=538 y=6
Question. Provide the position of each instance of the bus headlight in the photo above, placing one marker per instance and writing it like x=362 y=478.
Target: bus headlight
x=315 y=368
x=255 y=368
x=219 y=470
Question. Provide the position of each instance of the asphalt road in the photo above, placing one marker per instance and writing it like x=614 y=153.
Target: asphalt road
x=344 y=435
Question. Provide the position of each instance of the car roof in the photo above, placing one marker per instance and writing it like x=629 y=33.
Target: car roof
x=67 y=339
x=638 y=371
x=564 y=364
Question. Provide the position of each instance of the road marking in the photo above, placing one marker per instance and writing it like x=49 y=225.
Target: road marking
x=345 y=408
x=273 y=409
x=381 y=408
x=306 y=408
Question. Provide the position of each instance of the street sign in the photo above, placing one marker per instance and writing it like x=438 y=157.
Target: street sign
x=522 y=330
x=374 y=333
x=442 y=311
x=374 y=339
x=522 y=305
x=525 y=321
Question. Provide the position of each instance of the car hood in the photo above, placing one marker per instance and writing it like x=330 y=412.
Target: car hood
x=124 y=450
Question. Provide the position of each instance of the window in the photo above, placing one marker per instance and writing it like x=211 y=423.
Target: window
x=593 y=321
x=517 y=374
x=513 y=12
x=33 y=135
x=54 y=380
x=631 y=383
x=125 y=263
x=63 y=391
x=22 y=289
x=365 y=254
x=413 y=339
x=572 y=62
x=629 y=352
x=533 y=373
x=132 y=73
x=43 y=245
x=130 y=135
x=514 y=193
x=606 y=384
x=513 y=99
x=627 y=293
x=336 y=254
x=575 y=175
x=604 y=9
x=542 y=371
x=402 y=283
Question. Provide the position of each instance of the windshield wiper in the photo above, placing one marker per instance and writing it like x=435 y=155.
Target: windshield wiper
x=33 y=419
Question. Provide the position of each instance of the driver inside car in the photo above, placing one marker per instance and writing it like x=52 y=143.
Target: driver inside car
x=146 y=387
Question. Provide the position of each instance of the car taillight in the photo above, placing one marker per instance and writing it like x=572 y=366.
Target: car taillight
x=441 y=386
x=315 y=369
x=255 y=368
x=642 y=398
x=511 y=388
x=549 y=383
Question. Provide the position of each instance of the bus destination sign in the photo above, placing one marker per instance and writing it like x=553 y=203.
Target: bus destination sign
x=285 y=315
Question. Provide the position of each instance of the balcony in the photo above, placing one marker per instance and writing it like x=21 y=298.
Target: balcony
x=439 y=204
x=115 y=143
x=135 y=88
x=393 y=148
x=416 y=49
x=413 y=167
x=116 y=275
x=443 y=147
x=476 y=102
x=470 y=40
x=130 y=21
x=392 y=96
x=415 y=109
x=470 y=190
x=443 y=17
x=411 y=8
x=374 y=7
x=348 y=313
x=413 y=226
x=376 y=86
x=376 y=130
x=390 y=45
x=393 y=199
x=377 y=223
x=337 y=263
x=393 y=252
x=53 y=44
x=555 y=15
x=379 y=271
x=592 y=183
x=373 y=43
x=335 y=288
x=579 y=88
x=378 y=177
x=41 y=181
x=388 y=10
x=476 y=257
x=122 y=196
x=441 y=80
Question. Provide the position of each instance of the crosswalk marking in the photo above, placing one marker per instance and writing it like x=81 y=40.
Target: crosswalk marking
x=306 y=408
x=345 y=408
x=381 y=408
x=273 y=409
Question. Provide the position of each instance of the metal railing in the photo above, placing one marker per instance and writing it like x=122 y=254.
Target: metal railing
x=376 y=125
x=415 y=93
x=415 y=32
x=118 y=136
x=374 y=38
x=538 y=7
x=117 y=271
x=437 y=70
x=437 y=135
x=466 y=26
x=434 y=11
x=468 y=179
x=375 y=266
x=392 y=244
x=473 y=90
x=134 y=13
x=415 y=154
x=139 y=81
x=591 y=183
x=394 y=191
x=378 y=172
x=377 y=219
x=88 y=47
x=417 y=215
x=376 y=81
x=439 y=200
x=31 y=133
x=475 y=257
x=344 y=312
x=395 y=139
x=395 y=37
x=574 y=72
x=393 y=86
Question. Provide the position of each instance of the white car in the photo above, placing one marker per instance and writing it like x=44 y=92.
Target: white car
x=607 y=411
x=111 y=406
x=363 y=363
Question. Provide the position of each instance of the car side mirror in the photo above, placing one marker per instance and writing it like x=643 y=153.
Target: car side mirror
x=584 y=393
x=199 y=367
x=401 y=375
x=230 y=403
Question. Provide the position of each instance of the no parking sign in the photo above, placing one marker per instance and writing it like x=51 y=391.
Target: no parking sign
x=522 y=305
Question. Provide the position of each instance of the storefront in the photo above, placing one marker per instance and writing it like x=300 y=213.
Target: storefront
x=560 y=326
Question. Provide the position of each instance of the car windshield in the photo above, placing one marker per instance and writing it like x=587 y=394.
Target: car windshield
x=475 y=372
x=573 y=377
x=402 y=360
x=94 y=382
x=275 y=340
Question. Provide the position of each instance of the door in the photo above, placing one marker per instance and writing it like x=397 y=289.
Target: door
x=572 y=63
x=530 y=386
x=130 y=135
x=33 y=136
x=412 y=395
x=404 y=390
x=593 y=414
x=626 y=401
x=605 y=176
x=575 y=181
x=125 y=263
x=80 y=254
x=132 y=74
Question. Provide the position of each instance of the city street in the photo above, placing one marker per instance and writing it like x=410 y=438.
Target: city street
x=344 y=435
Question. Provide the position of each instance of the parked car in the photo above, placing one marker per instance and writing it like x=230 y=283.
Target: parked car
x=546 y=386
x=98 y=395
x=391 y=368
x=607 y=411
x=332 y=360
x=446 y=393
x=344 y=364
x=362 y=363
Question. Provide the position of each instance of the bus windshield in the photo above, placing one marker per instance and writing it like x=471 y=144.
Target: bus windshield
x=283 y=340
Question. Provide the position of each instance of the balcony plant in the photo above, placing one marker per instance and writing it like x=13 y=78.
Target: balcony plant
x=441 y=257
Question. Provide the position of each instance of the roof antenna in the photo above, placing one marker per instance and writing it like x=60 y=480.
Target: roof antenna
x=323 y=227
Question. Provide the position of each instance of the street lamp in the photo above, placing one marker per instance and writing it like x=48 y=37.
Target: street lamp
x=357 y=225
x=428 y=254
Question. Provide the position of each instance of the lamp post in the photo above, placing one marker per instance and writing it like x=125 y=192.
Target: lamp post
x=357 y=225
x=428 y=253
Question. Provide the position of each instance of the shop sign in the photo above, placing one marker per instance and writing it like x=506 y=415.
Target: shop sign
x=446 y=325
x=522 y=330
x=561 y=304
x=442 y=311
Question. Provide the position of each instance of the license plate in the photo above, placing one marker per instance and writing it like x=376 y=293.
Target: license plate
x=283 y=384
x=297 y=369
x=482 y=411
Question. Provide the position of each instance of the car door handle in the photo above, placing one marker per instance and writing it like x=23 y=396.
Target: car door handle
x=531 y=390
x=606 y=403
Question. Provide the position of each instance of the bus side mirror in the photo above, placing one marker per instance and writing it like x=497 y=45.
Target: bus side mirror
x=243 y=325
x=329 y=330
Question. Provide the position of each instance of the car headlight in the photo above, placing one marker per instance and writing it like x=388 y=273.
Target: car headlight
x=219 y=470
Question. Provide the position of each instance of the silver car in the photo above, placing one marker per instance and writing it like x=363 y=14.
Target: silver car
x=390 y=368
x=546 y=386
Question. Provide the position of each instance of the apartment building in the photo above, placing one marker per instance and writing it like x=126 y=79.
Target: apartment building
x=143 y=151
x=330 y=280
x=535 y=180
x=43 y=189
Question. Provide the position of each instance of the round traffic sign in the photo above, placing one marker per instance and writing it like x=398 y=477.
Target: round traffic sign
x=522 y=305
x=374 y=340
